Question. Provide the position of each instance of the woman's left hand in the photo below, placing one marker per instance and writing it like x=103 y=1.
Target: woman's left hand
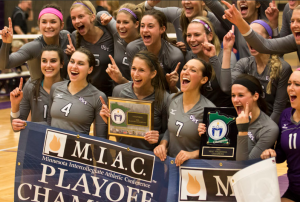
x=152 y=136
x=208 y=49
x=173 y=78
x=182 y=156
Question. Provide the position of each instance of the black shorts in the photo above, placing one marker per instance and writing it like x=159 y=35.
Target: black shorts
x=291 y=195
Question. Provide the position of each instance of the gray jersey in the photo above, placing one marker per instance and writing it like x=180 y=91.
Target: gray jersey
x=182 y=133
x=31 y=52
x=278 y=99
x=217 y=90
x=38 y=106
x=168 y=56
x=281 y=45
x=101 y=49
x=120 y=55
x=240 y=44
x=76 y=112
x=262 y=134
x=286 y=21
x=173 y=16
x=160 y=116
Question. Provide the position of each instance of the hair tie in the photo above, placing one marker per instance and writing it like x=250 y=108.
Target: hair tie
x=252 y=87
x=265 y=25
x=85 y=6
x=204 y=24
x=52 y=11
x=130 y=11
x=298 y=69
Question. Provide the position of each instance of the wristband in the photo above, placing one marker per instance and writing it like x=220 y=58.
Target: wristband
x=275 y=32
x=248 y=33
x=15 y=115
x=147 y=6
x=243 y=127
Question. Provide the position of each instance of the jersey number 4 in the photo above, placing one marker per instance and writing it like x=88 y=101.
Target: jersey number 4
x=292 y=140
x=180 y=124
x=66 y=109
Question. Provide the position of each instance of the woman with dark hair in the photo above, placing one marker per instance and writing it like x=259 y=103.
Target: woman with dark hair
x=34 y=97
x=288 y=144
x=125 y=29
x=50 y=18
x=74 y=105
x=155 y=40
x=250 y=11
x=185 y=113
x=281 y=45
x=95 y=38
x=147 y=84
x=271 y=71
x=181 y=17
x=256 y=130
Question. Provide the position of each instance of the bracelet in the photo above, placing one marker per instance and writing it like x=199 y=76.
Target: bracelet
x=15 y=115
x=248 y=33
x=275 y=32
x=243 y=127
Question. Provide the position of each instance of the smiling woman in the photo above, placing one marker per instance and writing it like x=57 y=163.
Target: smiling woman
x=69 y=100
x=51 y=24
x=95 y=38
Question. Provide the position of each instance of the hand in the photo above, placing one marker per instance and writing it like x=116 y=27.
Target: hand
x=161 y=152
x=18 y=124
x=17 y=94
x=104 y=113
x=229 y=39
x=208 y=49
x=113 y=71
x=181 y=45
x=181 y=157
x=232 y=14
x=7 y=32
x=153 y=3
x=243 y=117
x=201 y=129
x=105 y=19
x=268 y=153
x=70 y=48
x=152 y=136
x=173 y=77
x=272 y=14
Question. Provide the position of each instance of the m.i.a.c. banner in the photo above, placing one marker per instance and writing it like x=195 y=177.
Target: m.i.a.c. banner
x=55 y=165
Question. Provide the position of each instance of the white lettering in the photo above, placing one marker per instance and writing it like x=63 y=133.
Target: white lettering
x=144 y=196
x=121 y=191
x=36 y=193
x=98 y=188
x=19 y=191
x=101 y=155
x=60 y=179
x=132 y=165
x=119 y=159
x=85 y=150
x=84 y=185
x=130 y=195
x=44 y=173
x=60 y=196
x=220 y=183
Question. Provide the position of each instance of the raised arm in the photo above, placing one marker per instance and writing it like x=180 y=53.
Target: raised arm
x=100 y=127
x=104 y=18
x=286 y=19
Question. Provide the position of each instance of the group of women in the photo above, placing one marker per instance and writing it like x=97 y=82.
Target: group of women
x=130 y=56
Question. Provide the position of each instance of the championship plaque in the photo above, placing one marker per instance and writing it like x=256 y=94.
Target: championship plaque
x=129 y=117
x=220 y=139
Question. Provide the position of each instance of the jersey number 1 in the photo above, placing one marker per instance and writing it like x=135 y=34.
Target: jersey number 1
x=291 y=139
x=66 y=109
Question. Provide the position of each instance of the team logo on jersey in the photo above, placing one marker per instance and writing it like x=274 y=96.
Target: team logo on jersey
x=251 y=136
x=120 y=42
x=59 y=95
x=284 y=126
x=55 y=143
x=39 y=98
x=103 y=47
x=81 y=99
x=193 y=118
x=173 y=111
x=218 y=128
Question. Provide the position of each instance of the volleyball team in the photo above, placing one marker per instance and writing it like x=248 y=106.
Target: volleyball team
x=130 y=56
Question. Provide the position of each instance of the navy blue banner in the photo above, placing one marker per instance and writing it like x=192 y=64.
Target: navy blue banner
x=55 y=165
